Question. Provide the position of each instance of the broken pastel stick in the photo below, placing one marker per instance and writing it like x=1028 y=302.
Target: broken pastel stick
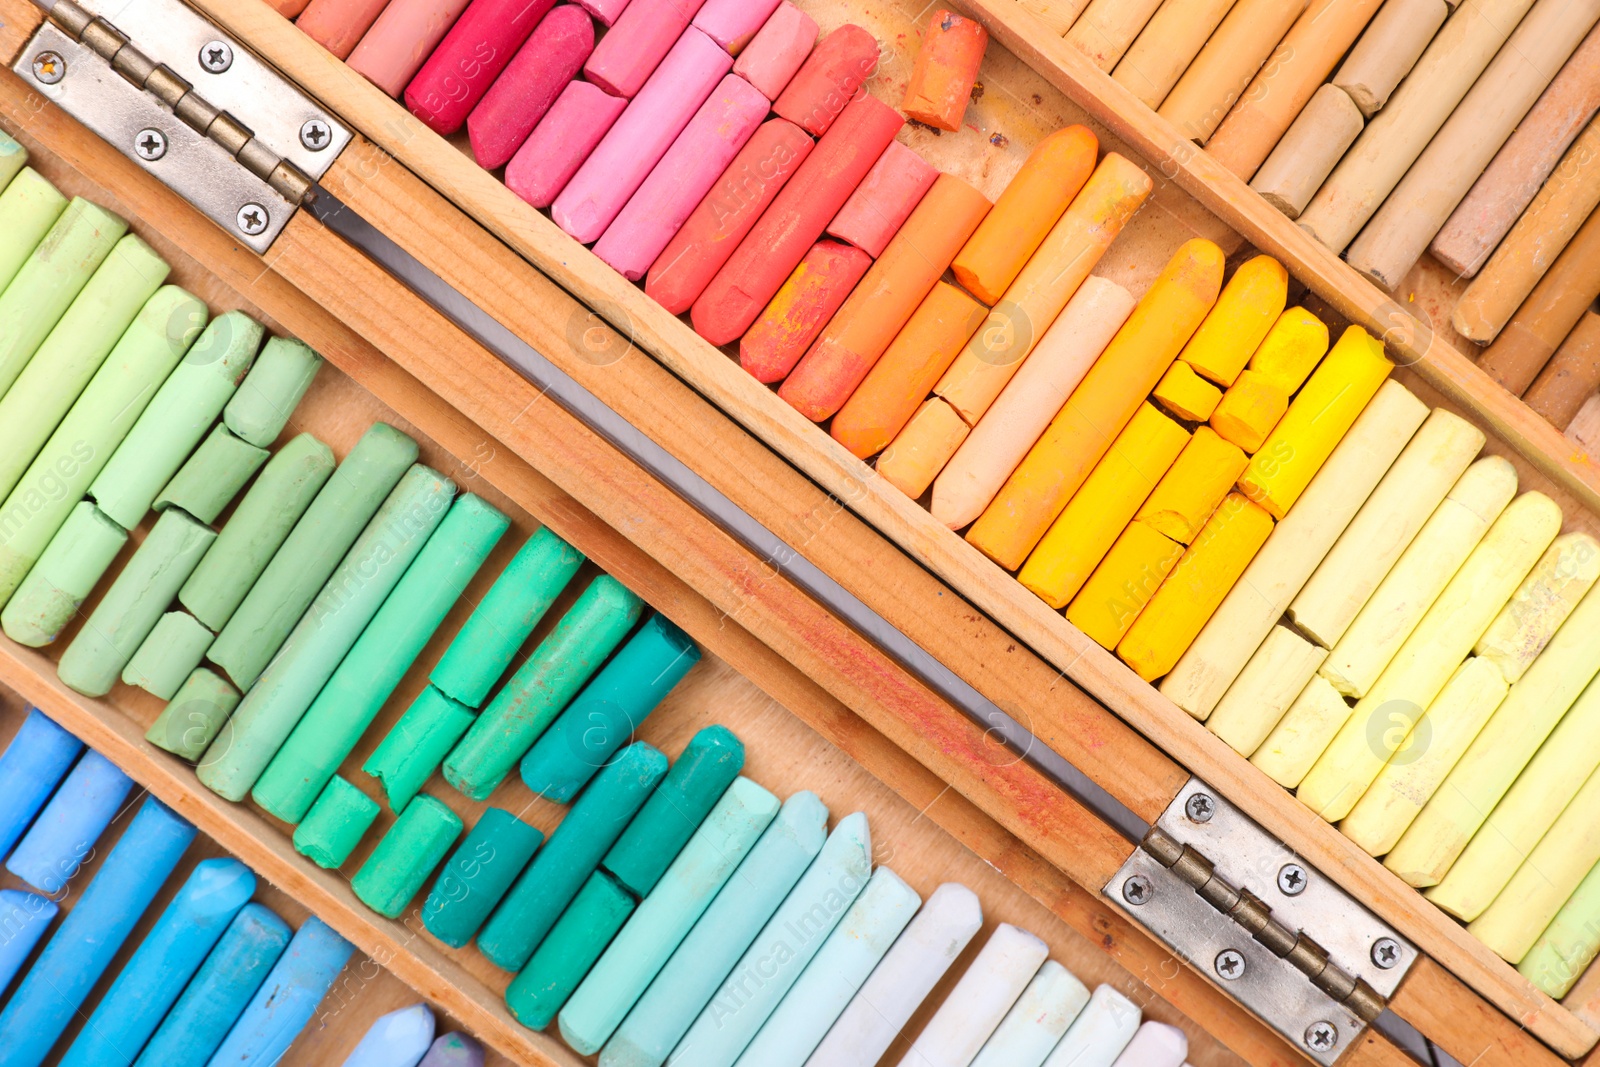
x=71 y=566
x=63 y=836
x=884 y=200
x=213 y=476
x=285 y=1001
x=168 y=655
x=417 y=745
x=776 y=53
x=405 y=856
x=335 y=824
x=567 y=953
x=829 y=80
x=191 y=719
x=31 y=767
x=945 y=70
x=262 y=405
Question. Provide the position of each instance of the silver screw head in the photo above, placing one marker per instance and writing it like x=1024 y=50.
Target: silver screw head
x=1137 y=890
x=252 y=220
x=216 y=56
x=150 y=144
x=316 y=135
x=49 y=67
x=1200 y=808
x=1321 y=1037
x=1292 y=879
x=1229 y=965
x=1386 y=953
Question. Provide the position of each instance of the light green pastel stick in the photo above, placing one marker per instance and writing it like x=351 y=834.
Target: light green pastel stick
x=409 y=754
x=72 y=564
x=338 y=820
x=1569 y=944
x=194 y=714
x=269 y=394
x=13 y=157
x=124 y=287
x=281 y=494
x=134 y=603
x=310 y=553
x=90 y=433
x=348 y=601
x=213 y=476
x=28 y=208
x=185 y=406
x=169 y=655
x=375 y=665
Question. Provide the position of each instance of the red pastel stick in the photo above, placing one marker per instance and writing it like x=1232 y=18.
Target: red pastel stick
x=581 y=116
x=636 y=45
x=778 y=50
x=830 y=79
x=884 y=200
x=469 y=59
x=519 y=98
x=772 y=346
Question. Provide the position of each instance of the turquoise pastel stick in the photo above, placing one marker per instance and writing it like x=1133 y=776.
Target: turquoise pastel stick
x=478 y=657
x=28 y=208
x=566 y=954
x=405 y=856
x=665 y=917
x=287 y=999
x=168 y=655
x=416 y=745
x=33 y=764
x=399 y=1039
x=335 y=825
x=191 y=719
x=161 y=967
x=24 y=917
x=1037 y=1021
x=77 y=557
x=271 y=391
x=12 y=158
x=477 y=875
x=64 y=834
x=210 y=479
x=611 y=707
x=692 y=976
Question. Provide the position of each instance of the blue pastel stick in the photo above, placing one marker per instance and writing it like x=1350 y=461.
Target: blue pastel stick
x=454 y=1050
x=62 y=838
x=399 y=1039
x=31 y=766
x=287 y=1000
x=213 y=1002
x=24 y=917
x=83 y=946
x=163 y=964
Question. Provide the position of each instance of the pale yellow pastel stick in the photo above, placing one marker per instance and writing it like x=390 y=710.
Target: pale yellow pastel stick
x=1302 y=734
x=1107 y=27
x=1166 y=46
x=1262 y=693
x=1245 y=312
x=1214 y=81
x=1415 y=486
x=1191 y=490
x=915 y=457
x=1292 y=553
x=1425 y=757
x=1420 y=575
x=1123 y=584
x=1559 y=580
x=1431 y=654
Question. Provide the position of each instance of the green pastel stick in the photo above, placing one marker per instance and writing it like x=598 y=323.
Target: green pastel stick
x=193 y=716
x=705 y=770
x=542 y=686
x=271 y=391
x=1569 y=944
x=53 y=274
x=502 y=621
x=213 y=476
x=257 y=528
x=310 y=553
x=544 y=890
x=185 y=406
x=405 y=857
x=347 y=602
x=566 y=955
x=169 y=655
x=72 y=564
x=335 y=825
x=478 y=875
x=415 y=747
x=380 y=658
x=134 y=603
x=13 y=157
x=28 y=208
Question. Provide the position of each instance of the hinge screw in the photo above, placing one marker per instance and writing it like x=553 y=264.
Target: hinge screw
x=1137 y=890
x=316 y=135
x=1321 y=1037
x=252 y=220
x=1292 y=879
x=150 y=144
x=49 y=67
x=216 y=56
x=1200 y=808
x=1386 y=952
x=1229 y=965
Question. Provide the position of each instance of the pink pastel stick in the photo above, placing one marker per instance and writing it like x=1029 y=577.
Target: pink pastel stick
x=637 y=44
x=338 y=25
x=605 y=11
x=470 y=58
x=683 y=177
x=392 y=51
x=732 y=23
x=552 y=154
x=520 y=97
x=884 y=199
x=782 y=44
x=652 y=121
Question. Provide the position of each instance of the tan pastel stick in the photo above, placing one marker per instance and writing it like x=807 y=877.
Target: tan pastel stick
x=921 y=450
x=1213 y=82
x=1554 y=307
x=1302 y=161
x=1107 y=27
x=1388 y=50
x=1571 y=376
x=1057 y=15
x=1166 y=46
x=1269 y=683
x=1584 y=429
x=1302 y=734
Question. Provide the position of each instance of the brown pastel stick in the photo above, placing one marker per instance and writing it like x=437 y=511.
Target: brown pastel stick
x=945 y=70
x=1572 y=375
x=1584 y=429
x=1309 y=151
x=1549 y=314
x=1166 y=46
x=1388 y=50
x=1107 y=27
x=1219 y=74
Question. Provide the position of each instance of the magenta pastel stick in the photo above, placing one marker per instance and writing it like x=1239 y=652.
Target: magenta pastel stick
x=405 y=34
x=683 y=177
x=884 y=199
x=516 y=102
x=606 y=12
x=557 y=147
x=782 y=44
x=469 y=59
x=653 y=119
x=732 y=23
x=638 y=44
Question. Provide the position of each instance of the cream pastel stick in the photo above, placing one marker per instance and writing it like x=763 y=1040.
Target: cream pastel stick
x=1561 y=578
x=1387 y=51
x=1309 y=150
x=1246 y=39
x=1264 y=690
x=1302 y=734
x=915 y=457
x=1107 y=27
x=1166 y=46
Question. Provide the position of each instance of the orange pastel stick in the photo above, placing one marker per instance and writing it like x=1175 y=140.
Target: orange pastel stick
x=945 y=70
x=917 y=456
x=773 y=344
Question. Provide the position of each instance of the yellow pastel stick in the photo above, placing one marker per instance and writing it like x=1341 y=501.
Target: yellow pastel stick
x=919 y=452
x=1202 y=475
x=1316 y=421
x=1241 y=320
x=1292 y=349
x=1100 y=406
x=1262 y=693
x=1302 y=734
x=1208 y=569
x=1186 y=394
x=1098 y=512
x=1558 y=581
x=1123 y=584
x=1249 y=410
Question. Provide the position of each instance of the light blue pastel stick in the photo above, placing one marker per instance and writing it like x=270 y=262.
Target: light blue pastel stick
x=88 y=939
x=727 y=927
x=217 y=996
x=1036 y=1022
x=454 y=1050
x=168 y=957
x=664 y=917
x=62 y=837
x=287 y=999
x=399 y=1039
x=1100 y=1032
x=30 y=768
x=817 y=999
x=24 y=917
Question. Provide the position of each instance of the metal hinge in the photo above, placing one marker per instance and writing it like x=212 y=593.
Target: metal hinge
x=1269 y=930
x=190 y=105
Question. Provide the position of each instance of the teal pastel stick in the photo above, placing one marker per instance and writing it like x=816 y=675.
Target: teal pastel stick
x=567 y=657
x=335 y=824
x=267 y=397
x=162 y=965
x=380 y=658
x=573 y=852
x=28 y=208
x=73 y=563
x=31 y=767
x=210 y=479
x=24 y=917
x=63 y=837
x=191 y=719
x=477 y=875
x=611 y=707
x=1037 y=1021
x=697 y=781
x=398 y=1039
x=286 y=1001
x=665 y=917
x=478 y=657
x=13 y=157
x=349 y=600
x=169 y=655
x=416 y=745
x=741 y=908
x=563 y=958
x=405 y=856
x=795 y=1028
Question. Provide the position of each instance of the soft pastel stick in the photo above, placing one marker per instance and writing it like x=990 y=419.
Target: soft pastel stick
x=478 y=874
x=829 y=80
x=1218 y=76
x=71 y=566
x=393 y=50
x=1133 y=569
x=63 y=835
x=1571 y=377
x=1187 y=395
x=405 y=856
x=1100 y=1032
x=1561 y=578
x=1166 y=46
x=338 y=24
x=417 y=745
x=945 y=70
x=1569 y=944
x=634 y=49
x=213 y=476
x=335 y=824
x=454 y=1050
x=733 y=23
x=264 y=402
x=569 y=131
x=567 y=953
x=1155 y=1045
x=1258 y=699
x=469 y=59
x=1248 y=308
x=1547 y=316
x=884 y=199
x=1036 y=1023
x=549 y=59
x=1303 y=734
x=12 y=159
x=1193 y=486
x=193 y=716
x=989 y=987
x=1107 y=28
x=26 y=917
x=916 y=457
x=1389 y=47
x=28 y=208
x=773 y=57
x=286 y=1000
x=605 y=11
x=31 y=767
x=398 y=1039
x=1309 y=150
x=805 y=303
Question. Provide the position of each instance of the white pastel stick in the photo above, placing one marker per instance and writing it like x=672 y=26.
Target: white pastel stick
x=399 y=1039
x=1155 y=1045
x=1100 y=1032
x=974 y=1008
x=1034 y=1025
